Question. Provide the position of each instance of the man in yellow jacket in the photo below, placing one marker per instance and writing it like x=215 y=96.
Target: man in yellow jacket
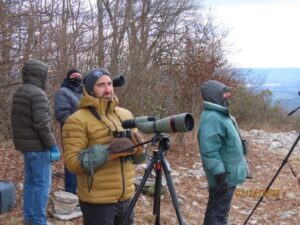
x=98 y=150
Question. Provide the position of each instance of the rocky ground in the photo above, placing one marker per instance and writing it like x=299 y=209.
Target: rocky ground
x=280 y=206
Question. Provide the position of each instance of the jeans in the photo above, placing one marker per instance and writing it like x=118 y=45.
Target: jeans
x=70 y=181
x=218 y=207
x=37 y=184
x=106 y=214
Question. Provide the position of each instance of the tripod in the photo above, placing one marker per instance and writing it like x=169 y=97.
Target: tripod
x=158 y=162
x=285 y=160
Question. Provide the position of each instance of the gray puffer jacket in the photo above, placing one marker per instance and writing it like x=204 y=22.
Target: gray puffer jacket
x=30 y=118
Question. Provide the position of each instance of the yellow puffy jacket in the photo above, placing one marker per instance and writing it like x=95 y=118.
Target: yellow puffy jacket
x=114 y=181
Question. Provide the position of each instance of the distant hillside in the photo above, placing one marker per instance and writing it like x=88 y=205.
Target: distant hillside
x=283 y=82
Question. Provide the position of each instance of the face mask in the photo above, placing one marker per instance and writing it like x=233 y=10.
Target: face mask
x=226 y=102
x=75 y=81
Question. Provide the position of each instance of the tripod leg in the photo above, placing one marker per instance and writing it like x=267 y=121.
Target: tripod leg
x=139 y=190
x=167 y=171
x=273 y=179
x=157 y=192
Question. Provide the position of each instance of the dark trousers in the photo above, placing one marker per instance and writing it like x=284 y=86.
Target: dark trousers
x=218 y=207
x=70 y=181
x=105 y=214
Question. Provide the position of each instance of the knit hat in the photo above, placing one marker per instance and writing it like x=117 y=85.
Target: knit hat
x=71 y=71
x=92 y=76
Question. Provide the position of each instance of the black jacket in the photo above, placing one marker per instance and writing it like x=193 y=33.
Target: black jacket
x=30 y=118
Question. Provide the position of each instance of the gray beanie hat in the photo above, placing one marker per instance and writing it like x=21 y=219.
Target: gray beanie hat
x=92 y=76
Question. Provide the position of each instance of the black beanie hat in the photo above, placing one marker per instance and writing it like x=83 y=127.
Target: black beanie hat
x=71 y=71
x=92 y=76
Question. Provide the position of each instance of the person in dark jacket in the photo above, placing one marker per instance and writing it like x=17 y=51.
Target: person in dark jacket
x=66 y=103
x=33 y=136
x=221 y=150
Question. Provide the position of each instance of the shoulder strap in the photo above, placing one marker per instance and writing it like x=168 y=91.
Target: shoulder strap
x=94 y=112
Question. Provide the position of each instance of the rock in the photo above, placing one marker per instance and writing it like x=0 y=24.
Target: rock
x=253 y=221
x=65 y=197
x=195 y=204
x=19 y=186
x=149 y=186
x=291 y=196
x=203 y=186
x=288 y=214
x=64 y=202
x=74 y=214
x=276 y=144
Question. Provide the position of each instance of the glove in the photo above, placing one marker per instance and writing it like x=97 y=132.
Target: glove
x=94 y=157
x=139 y=158
x=221 y=183
x=121 y=145
x=54 y=153
x=137 y=137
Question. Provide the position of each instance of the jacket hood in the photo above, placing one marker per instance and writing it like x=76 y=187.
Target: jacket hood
x=102 y=106
x=212 y=91
x=216 y=107
x=35 y=72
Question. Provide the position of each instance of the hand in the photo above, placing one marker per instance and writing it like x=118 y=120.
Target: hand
x=54 y=153
x=141 y=154
x=221 y=183
x=121 y=145
x=137 y=137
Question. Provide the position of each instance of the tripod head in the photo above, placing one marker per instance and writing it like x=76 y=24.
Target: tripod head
x=164 y=144
x=163 y=141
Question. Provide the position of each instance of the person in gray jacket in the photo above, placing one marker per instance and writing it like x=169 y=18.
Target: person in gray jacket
x=33 y=136
x=222 y=152
x=65 y=104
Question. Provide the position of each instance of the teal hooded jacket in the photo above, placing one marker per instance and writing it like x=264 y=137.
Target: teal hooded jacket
x=221 y=146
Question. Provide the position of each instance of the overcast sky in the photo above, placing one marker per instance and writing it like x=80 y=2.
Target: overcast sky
x=264 y=33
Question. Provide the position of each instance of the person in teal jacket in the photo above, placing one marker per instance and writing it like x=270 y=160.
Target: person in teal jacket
x=221 y=150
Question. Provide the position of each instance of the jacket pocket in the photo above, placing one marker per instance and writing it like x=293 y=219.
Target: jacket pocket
x=236 y=172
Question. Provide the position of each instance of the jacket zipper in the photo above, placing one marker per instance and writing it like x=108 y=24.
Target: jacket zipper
x=122 y=165
x=123 y=180
x=109 y=118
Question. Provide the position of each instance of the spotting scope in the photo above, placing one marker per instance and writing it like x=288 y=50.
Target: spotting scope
x=176 y=123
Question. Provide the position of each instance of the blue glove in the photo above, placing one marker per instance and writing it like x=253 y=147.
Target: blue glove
x=54 y=153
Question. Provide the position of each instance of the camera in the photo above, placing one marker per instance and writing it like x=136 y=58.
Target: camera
x=176 y=123
x=122 y=134
x=118 y=81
